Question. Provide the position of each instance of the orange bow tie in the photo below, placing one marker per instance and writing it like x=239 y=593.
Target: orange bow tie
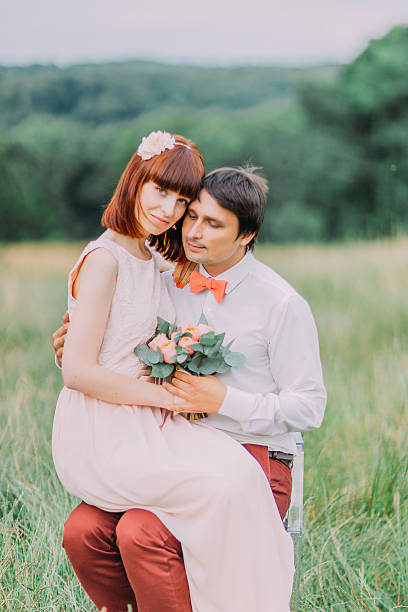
x=199 y=282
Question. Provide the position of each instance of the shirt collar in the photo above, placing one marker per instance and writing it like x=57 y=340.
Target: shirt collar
x=235 y=275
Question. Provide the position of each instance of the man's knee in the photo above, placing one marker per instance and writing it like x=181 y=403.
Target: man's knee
x=143 y=530
x=87 y=530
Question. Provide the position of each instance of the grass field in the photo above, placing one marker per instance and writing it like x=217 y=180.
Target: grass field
x=355 y=555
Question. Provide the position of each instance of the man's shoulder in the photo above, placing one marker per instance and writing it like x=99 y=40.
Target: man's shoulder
x=270 y=283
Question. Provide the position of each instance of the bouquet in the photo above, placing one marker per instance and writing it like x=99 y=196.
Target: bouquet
x=198 y=350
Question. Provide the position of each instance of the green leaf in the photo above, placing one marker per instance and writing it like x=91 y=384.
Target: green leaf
x=214 y=350
x=182 y=357
x=193 y=367
x=203 y=319
x=197 y=356
x=208 y=339
x=162 y=370
x=154 y=356
x=197 y=347
x=234 y=359
x=224 y=367
x=147 y=355
x=171 y=330
x=180 y=350
x=210 y=366
x=162 y=325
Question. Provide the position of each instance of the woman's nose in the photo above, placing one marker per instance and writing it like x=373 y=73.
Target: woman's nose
x=168 y=205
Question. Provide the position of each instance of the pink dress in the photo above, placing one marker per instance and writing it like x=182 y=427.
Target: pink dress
x=204 y=486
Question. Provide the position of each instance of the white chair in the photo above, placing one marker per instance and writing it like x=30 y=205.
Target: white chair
x=294 y=517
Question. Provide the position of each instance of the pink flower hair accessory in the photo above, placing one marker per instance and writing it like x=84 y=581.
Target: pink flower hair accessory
x=155 y=143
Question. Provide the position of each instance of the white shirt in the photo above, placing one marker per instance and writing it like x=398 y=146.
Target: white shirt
x=279 y=389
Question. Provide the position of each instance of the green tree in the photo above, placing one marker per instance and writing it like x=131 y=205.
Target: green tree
x=358 y=179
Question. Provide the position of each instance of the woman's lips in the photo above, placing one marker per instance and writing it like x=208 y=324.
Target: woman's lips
x=159 y=220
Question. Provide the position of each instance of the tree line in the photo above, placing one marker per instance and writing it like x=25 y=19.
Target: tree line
x=332 y=141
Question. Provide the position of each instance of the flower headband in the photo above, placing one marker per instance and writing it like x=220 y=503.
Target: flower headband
x=157 y=142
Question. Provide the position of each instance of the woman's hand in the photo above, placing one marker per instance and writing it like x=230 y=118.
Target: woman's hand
x=59 y=336
x=199 y=393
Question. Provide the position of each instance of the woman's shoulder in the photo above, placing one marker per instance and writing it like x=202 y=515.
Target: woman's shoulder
x=98 y=260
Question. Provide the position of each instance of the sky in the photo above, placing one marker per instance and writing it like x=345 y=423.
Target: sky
x=220 y=32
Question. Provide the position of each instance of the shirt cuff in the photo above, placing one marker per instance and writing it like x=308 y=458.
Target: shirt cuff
x=237 y=404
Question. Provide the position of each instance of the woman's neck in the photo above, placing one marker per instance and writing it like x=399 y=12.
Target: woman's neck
x=135 y=246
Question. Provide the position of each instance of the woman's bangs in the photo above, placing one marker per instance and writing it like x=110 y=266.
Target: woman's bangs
x=180 y=170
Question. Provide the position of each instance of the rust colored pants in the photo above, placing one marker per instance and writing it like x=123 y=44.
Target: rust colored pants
x=132 y=558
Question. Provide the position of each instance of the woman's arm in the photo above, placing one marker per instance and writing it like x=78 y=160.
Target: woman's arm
x=94 y=289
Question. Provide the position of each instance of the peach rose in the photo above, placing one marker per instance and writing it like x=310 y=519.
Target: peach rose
x=169 y=351
x=157 y=341
x=185 y=342
x=196 y=332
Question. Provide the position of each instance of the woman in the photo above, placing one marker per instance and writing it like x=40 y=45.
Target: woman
x=108 y=444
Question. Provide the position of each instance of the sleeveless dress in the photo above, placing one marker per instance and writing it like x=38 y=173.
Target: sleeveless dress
x=203 y=485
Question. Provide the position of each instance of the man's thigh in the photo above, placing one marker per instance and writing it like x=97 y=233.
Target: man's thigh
x=280 y=479
x=277 y=473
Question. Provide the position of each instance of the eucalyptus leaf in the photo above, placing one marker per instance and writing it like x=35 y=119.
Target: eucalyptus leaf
x=197 y=347
x=193 y=367
x=162 y=370
x=180 y=350
x=227 y=346
x=215 y=350
x=181 y=357
x=208 y=339
x=171 y=330
x=154 y=356
x=234 y=359
x=147 y=355
x=197 y=357
x=210 y=366
x=162 y=325
x=203 y=319
x=223 y=367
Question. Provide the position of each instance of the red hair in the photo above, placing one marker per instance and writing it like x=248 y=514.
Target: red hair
x=179 y=169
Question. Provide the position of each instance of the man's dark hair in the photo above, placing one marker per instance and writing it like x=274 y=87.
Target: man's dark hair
x=242 y=192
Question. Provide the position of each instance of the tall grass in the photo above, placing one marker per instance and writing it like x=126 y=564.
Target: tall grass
x=356 y=485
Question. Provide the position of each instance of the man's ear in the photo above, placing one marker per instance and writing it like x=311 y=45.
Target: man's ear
x=246 y=239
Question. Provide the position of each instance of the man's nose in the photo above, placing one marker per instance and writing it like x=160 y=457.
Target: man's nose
x=195 y=231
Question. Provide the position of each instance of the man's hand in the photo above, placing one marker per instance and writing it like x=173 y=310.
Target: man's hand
x=58 y=338
x=200 y=393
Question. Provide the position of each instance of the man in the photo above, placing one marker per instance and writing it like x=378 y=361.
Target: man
x=124 y=558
